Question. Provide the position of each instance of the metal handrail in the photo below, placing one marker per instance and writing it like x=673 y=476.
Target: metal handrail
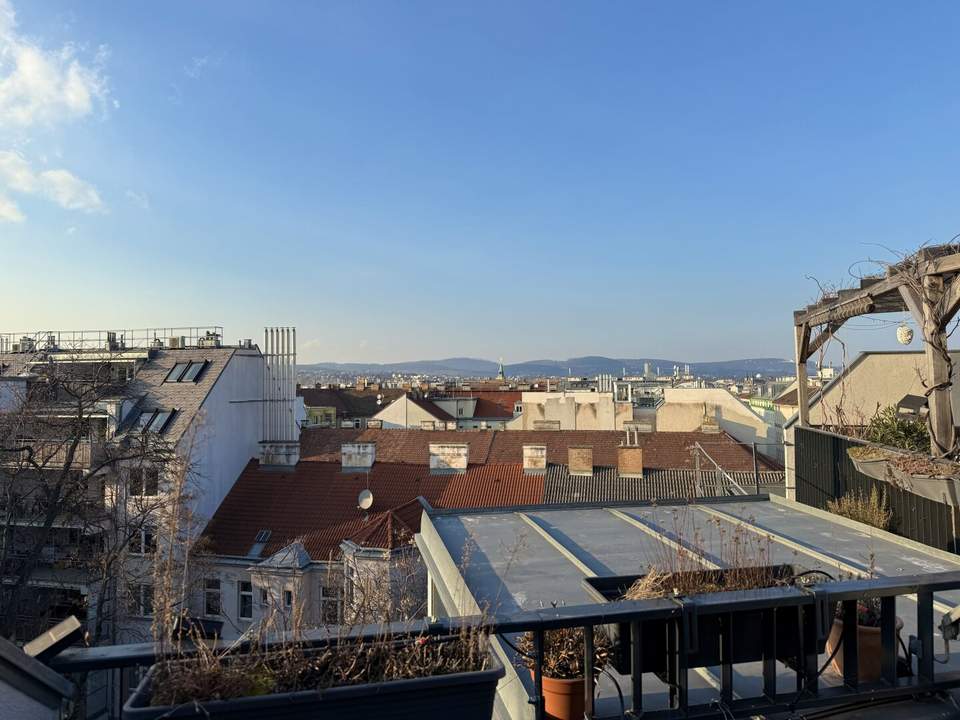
x=741 y=491
x=813 y=607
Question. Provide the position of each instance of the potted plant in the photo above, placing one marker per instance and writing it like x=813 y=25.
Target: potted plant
x=870 y=652
x=423 y=677
x=564 y=684
x=712 y=630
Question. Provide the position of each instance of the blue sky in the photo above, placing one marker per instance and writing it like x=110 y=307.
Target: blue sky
x=417 y=180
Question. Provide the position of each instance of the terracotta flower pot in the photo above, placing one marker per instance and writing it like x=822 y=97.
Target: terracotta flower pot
x=563 y=699
x=870 y=652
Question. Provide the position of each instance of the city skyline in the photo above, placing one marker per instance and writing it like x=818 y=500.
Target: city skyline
x=542 y=181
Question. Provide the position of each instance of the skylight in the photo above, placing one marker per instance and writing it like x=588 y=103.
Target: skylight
x=154 y=421
x=177 y=371
x=186 y=371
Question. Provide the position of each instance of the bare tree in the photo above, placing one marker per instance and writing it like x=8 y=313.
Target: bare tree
x=80 y=487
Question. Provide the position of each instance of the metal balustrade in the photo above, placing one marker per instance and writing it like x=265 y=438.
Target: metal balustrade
x=812 y=607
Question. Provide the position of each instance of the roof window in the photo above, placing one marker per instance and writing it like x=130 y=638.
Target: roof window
x=186 y=371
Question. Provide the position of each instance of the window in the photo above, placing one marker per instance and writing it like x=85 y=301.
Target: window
x=186 y=371
x=426 y=425
x=143 y=542
x=245 y=600
x=211 y=596
x=154 y=421
x=518 y=409
x=288 y=599
x=264 y=596
x=193 y=372
x=177 y=371
x=141 y=600
x=143 y=481
x=331 y=598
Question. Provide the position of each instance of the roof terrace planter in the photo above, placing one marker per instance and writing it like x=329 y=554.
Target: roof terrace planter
x=714 y=633
x=469 y=695
x=937 y=480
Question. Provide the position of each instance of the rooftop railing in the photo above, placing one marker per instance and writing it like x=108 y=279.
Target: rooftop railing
x=105 y=339
x=812 y=608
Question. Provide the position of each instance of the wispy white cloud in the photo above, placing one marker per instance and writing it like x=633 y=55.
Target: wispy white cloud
x=58 y=185
x=194 y=69
x=9 y=212
x=138 y=198
x=41 y=86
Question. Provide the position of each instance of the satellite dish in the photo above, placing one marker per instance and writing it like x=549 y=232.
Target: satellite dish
x=365 y=500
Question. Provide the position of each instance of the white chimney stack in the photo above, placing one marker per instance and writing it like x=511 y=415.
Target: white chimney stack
x=357 y=457
x=448 y=457
x=280 y=443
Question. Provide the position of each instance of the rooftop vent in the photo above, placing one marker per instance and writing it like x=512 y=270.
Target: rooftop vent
x=448 y=457
x=357 y=456
x=580 y=459
x=209 y=340
x=534 y=459
x=176 y=342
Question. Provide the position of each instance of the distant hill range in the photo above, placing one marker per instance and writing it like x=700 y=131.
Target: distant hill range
x=577 y=367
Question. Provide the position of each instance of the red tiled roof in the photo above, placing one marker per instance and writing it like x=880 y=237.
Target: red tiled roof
x=353 y=403
x=317 y=502
x=427 y=406
x=490 y=403
x=393 y=446
x=663 y=450
x=490 y=409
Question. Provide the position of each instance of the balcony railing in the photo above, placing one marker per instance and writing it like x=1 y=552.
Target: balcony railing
x=813 y=607
x=50 y=454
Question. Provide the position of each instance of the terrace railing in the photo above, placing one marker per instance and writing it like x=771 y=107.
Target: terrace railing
x=812 y=607
x=824 y=472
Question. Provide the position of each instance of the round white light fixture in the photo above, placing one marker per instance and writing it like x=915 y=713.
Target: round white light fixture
x=904 y=334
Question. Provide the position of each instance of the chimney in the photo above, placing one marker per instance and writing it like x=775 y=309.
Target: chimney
x=580 y=459
x=630 y=461
x=280 y=438
x=357 y=457
x=534 y=459
x=448 y=458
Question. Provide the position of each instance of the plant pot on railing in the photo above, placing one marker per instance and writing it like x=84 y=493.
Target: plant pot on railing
x=869 y=652
x=871 y=461
x=563 y=699
x=563 y=670
x=740 y=630
x=468 y=695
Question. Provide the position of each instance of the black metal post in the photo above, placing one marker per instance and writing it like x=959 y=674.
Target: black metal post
x=588 y=672
x=636 y=666
x=851 y=645
x=538 y=643
x=925 y=631
x=756 y=469
x=888 y=639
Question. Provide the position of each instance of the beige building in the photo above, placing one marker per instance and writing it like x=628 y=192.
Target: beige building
x=572 y=410
x=873 y=381
x=693 y=409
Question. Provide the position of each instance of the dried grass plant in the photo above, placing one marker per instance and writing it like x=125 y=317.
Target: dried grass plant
x=679 y=570
x=564 y=651
x=872 y=509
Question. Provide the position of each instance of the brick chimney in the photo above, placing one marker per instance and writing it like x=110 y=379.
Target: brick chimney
x=448 y=458
x=357 y=457
x=580 y=459
x=534 y=459
x=630 y=461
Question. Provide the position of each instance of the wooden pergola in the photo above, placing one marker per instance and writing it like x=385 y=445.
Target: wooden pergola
x=928 y=286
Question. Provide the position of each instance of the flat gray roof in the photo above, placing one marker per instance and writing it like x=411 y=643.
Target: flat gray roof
x=527 y=558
